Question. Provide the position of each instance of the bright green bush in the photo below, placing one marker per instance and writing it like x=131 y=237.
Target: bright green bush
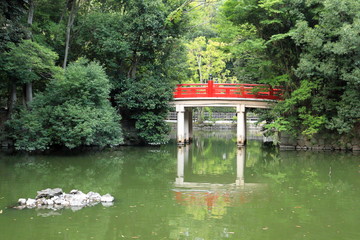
x=73 y=111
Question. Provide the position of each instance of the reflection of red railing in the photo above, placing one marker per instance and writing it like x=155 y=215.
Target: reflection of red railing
x=227 y=90
x=211 y=199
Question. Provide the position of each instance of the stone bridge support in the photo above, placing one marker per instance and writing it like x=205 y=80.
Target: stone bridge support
x=184 y=124
x=184 y=109
x=241 y=125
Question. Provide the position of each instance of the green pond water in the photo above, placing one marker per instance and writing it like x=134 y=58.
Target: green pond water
x=208 y=190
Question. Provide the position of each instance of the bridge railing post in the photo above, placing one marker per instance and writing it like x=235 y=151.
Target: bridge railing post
x=210 y=88
x=271 y=91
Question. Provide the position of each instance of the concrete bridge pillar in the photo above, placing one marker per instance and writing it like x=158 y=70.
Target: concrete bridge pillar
x=240 y=166
x=184 y=124
x=241 y=125
x=180 y=110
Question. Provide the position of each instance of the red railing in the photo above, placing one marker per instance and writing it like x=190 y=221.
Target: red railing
x=228 y=90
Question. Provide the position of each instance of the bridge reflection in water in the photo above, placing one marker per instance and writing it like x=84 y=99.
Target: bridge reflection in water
x=214 y=196
x=183 y=158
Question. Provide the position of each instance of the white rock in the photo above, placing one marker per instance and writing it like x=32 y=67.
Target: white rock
x=78 y=199
x=65 y=203
x=93 y=197
x=22 y=201
x=54 y=199
x=49 y=192
x=75 y=191
x=58 y=201
x=107 y=198
x=107 y=204
x=41 y=201
x=30 y=202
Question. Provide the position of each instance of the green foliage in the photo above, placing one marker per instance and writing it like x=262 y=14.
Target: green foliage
x=139 y=50
x=132 y=40
x=27 y=129
x=102 y=37
x=306 y=120
x=206 y=57
x=29 y=61
x=310 y=47
x=150 y=93
x=330 y=57
x=152 y=128
x=11 y=30
x=146 y=103
x=72 y=112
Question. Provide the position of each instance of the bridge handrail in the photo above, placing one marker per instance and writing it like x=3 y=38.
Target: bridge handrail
x=228 y=90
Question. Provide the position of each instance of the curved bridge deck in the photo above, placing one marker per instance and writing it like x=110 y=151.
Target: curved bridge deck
x=223 y=102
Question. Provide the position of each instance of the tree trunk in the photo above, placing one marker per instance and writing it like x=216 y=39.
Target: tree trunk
x=31 y=12
x=133 y=68
x=12 y=97
x=24 y=103
x=28 y=92
x=200 y=119
x=30 y=18
x=70 y=23
x=64 y=11
x=198 y=57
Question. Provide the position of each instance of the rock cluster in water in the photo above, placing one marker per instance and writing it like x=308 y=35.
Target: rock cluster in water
x=57 y=199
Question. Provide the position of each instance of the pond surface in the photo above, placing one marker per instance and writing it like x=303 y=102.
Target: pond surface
x=214 y=192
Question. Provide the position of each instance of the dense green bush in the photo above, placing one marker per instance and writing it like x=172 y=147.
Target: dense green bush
x=73 y=111
x=146 y=104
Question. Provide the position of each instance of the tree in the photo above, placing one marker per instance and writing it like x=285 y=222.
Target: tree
x=330 y=59
x=73 y=7
x=73 y=111
x=134 y=45
x=28 y=62
x=206 y=57
x=11 y=30
x=145 y=102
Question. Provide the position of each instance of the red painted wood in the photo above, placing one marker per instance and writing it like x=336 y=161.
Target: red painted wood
x=228 y=90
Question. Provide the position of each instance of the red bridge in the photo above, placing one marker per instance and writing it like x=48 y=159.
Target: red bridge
x=227 y=90
x=240 y=96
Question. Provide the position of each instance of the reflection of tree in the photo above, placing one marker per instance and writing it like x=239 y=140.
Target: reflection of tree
x=87 y=172
x=212 y=155
x=151 y=166
x=311 y=189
